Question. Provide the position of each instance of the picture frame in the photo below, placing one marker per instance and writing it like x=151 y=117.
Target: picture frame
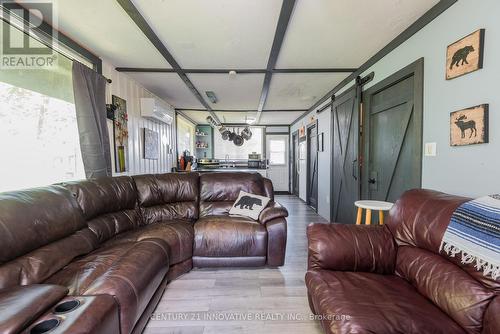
x=465 y=55
x=469 y=126
x=151 y=144
x=120 y=133
x=302 y=131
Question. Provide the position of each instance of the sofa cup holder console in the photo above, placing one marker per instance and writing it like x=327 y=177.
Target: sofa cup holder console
x=45 y=326
x=67 y=306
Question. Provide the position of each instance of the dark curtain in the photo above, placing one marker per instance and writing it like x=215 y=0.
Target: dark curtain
x=90 y=102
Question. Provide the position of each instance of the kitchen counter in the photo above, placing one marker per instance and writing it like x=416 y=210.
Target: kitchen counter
x=262 y=171
x=229 y=169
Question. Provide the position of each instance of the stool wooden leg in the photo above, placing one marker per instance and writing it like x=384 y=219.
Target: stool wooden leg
x=368 y=220
x=381 y=217
x=358 y=218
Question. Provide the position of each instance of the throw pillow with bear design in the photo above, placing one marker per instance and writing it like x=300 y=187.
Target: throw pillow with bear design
x=249 y=205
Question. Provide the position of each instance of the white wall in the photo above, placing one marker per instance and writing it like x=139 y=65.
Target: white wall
x=129 y=90
x=324 y=119
x=467 y=170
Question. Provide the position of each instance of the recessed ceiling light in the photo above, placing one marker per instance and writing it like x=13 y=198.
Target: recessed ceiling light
x=211 y=96
x=232 y=73
x=250 y=120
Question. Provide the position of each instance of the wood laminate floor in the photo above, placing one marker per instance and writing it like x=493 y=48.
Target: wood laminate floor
x=256 y=300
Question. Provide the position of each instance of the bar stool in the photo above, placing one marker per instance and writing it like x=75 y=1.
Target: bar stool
x=369 y=206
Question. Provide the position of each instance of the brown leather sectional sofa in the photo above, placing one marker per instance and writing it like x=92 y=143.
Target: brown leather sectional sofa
x=392 y=278
x=113 y=244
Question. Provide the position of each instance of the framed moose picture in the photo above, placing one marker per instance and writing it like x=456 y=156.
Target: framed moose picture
x=469 y=126
x=466 y=55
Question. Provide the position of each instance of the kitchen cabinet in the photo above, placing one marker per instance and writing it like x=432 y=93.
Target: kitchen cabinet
x=204 y=142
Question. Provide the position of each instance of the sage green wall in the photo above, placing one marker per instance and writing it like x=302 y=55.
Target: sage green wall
x=468 y=170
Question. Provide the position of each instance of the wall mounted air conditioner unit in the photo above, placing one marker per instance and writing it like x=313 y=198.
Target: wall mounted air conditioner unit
x=154 y=110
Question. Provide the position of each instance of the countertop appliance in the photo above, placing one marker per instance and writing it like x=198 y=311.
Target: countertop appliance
x=208 y=163
x=254 y=160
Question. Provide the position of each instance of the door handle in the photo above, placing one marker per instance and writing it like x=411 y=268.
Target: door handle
x=372 y=181
x=354 y=169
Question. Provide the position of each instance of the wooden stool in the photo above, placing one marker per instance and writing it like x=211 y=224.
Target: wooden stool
x=369 y=206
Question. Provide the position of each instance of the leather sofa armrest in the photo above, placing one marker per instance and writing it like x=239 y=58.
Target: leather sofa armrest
x=276 y=241
x=272 y=211
x=365 y=248
x=21 y=305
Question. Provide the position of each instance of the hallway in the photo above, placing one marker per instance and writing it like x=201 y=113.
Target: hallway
x=269 y=296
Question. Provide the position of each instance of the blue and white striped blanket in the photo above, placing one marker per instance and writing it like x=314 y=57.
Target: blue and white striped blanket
x=474 y=231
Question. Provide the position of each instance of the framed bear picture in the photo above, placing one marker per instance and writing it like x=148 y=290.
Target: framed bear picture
x=469 y=126
x=466 y=55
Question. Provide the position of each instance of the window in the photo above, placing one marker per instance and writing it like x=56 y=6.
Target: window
x=277 y=151
x=226 y=147
x=39 y=141
x=185 y=135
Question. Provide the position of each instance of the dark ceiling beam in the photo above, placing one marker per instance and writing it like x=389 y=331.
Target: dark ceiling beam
x=279 y=35
x=252 y=125
x=188 y=70
x=142 y=24
x=146 y=69
x=424 y=20
x=238 y=71
x=242 y=110
x=314 y=70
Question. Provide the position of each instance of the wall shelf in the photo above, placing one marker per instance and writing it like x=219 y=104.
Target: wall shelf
x=205 y=138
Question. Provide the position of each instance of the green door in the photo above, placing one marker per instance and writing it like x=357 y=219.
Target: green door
x=393 y=136
x=345 y=139
x=312 y=166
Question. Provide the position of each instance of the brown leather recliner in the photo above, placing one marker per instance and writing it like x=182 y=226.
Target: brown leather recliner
x=221 y=240
x=124 y=237
x=392 y=278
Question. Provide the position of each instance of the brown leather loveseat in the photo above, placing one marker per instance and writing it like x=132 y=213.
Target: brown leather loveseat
x=392 y=278
x=108 y=247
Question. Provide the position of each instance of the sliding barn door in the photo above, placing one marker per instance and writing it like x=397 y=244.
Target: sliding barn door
x=345 y=166
x=393 y=129
x=312 y=166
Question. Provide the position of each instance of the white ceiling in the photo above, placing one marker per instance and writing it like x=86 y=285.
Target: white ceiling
x=103 y=27
x=233 y=92
x=169 y=87
x=236 y=117
x=339 y=33
x=198 y=117
x=279 y=117
x=267 y=118
x=214 y=34
x=293 y=91
x=238 y=34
